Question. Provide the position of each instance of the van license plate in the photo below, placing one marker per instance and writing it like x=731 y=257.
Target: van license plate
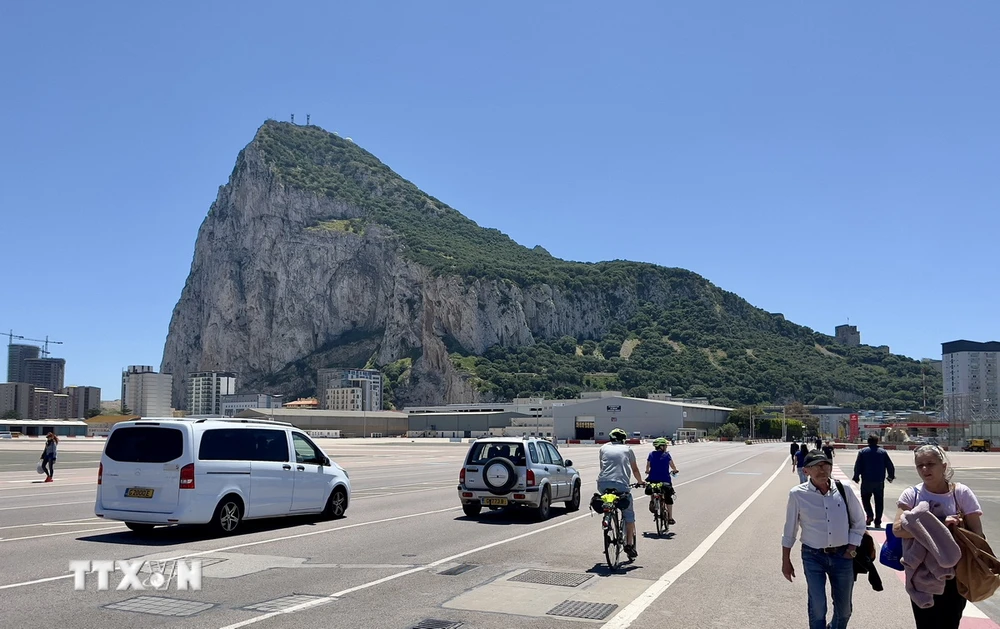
x=138 y=492
x=495 y=502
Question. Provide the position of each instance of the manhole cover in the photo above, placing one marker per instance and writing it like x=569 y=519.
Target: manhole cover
x=283 y=603
x=565 y=579
x=579 y=609
x=459 y=569
x=161 y=606
x=431 y=623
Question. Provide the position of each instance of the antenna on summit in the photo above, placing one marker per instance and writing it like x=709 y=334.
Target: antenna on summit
x=293 y=118
x=307 y=120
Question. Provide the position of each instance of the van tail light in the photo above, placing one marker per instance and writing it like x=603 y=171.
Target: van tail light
x=187 y=476
x=530 y=477
x=461 y=477
x=100 y=473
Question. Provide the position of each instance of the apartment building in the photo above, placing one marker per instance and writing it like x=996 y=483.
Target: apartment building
x=82 y=399
x=205 y=390
x=368 y=380
x=16 y=355
x=971 y=387
x=145 y=392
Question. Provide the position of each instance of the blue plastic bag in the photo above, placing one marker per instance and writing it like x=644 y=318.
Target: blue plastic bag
x=891 y=554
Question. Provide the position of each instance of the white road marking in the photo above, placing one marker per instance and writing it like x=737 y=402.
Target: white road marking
x=434 y=564
x=630 y=612
x=61 y=504
x=56 y=523
x=247 y=544
x=54 y=493
x=112 y=527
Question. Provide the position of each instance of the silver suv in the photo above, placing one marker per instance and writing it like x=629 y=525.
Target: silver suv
x=517 y=472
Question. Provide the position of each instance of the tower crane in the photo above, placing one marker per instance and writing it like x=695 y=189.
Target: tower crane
x=45 y=350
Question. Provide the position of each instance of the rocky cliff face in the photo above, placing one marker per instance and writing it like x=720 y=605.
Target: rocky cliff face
x=279 y=288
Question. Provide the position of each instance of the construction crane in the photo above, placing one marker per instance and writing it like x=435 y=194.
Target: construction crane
x=45 y=350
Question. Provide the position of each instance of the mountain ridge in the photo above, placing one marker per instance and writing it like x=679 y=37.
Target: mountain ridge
x=447 y=289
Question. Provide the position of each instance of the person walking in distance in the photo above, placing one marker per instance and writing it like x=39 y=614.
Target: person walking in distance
x=617 y=467
x=830 y=535
x=800 y=461
x=794 y=449
x=49 y=456
x=871 y=467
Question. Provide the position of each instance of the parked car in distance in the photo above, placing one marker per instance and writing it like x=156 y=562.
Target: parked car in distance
x=517 y=472
x=215 y=471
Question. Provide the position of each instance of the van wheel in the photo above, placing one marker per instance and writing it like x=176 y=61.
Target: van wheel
x=574 y=503
x=336 y=505
x=228 y=515
x=138 y=527
x=472 y=509
x=545 y=506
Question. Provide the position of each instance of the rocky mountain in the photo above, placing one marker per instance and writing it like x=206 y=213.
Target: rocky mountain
x=316 y=254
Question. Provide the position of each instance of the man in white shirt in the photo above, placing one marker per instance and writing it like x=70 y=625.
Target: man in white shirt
x=830 y=535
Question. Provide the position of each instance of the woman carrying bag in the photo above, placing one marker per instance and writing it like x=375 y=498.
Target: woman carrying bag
x=49 y=456
x=927 y=515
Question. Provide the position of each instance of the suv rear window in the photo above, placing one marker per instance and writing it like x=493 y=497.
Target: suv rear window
x=145 y=444
x=483 y=452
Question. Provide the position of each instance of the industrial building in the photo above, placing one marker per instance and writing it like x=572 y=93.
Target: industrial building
x=595 y=419
x=348 y=423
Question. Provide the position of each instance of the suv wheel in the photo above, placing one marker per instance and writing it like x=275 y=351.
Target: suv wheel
x=472 y=509
x=574 y=503
x=499 y=475
x=336 y=505
x=545 y=506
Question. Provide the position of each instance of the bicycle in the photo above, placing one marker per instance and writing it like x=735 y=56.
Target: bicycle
x=659 y=506
x=612 y=504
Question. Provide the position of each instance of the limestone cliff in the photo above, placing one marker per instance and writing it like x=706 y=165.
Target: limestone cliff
x=282 y=284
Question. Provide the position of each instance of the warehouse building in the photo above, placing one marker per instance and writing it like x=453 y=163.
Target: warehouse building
x=595 y=419
x=464 y=423
x=348 y=423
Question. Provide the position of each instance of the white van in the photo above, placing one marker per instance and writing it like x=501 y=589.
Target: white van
x=214 y=471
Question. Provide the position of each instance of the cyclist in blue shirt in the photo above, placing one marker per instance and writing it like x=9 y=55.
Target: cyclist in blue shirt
x=659 y=464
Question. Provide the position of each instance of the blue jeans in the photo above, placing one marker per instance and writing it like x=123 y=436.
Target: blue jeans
x=628 y=515
x=817 y=566
x=802 y=476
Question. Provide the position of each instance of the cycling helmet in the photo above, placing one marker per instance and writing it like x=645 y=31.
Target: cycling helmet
x=659 y=442
x=618 y=435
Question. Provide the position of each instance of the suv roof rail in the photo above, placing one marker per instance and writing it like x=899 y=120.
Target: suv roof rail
x=268 y=422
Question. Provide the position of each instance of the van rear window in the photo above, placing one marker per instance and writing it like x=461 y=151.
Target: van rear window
x=145 y=444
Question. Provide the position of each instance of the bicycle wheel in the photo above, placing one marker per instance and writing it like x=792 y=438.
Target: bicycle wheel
x=612 y=541
x=658 y=514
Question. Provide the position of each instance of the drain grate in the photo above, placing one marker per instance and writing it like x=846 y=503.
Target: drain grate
x=283 y=603
x=579 y=609
x=161 y=606
x=544 y=577
x=459 y=569
x=432 y=623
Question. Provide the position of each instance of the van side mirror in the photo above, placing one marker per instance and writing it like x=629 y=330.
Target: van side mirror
x=568 y=463
x=326 y=461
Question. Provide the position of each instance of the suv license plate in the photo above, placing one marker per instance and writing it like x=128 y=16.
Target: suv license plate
x=138 y=492
x=495 y=502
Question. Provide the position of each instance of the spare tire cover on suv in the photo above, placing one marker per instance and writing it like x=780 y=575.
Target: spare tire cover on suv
x=499 y=475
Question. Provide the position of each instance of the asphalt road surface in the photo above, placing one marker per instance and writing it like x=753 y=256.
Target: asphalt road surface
x=406 y=556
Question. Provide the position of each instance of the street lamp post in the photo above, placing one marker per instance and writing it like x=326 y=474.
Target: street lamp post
x=271 y=405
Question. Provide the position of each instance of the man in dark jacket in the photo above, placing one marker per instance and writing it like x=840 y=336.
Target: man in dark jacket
x=871 y=468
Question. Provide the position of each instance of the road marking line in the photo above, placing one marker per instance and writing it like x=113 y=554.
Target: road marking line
x=434 y=564
x=56 y=523
x=631 y=612
x=4 y=540
x=247 y=544
x=54 y=493
x=61 y=504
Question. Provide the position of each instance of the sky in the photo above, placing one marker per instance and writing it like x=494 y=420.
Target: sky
x=829 y=161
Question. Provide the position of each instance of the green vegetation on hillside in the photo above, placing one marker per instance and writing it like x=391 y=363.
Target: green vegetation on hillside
x=719 y=357
x=693 y=338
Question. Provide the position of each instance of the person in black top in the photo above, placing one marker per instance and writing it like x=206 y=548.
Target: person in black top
x=828 y=450
x=871 y=468
x=794 y=448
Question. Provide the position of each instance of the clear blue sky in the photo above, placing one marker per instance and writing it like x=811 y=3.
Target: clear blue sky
x=824 y=160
